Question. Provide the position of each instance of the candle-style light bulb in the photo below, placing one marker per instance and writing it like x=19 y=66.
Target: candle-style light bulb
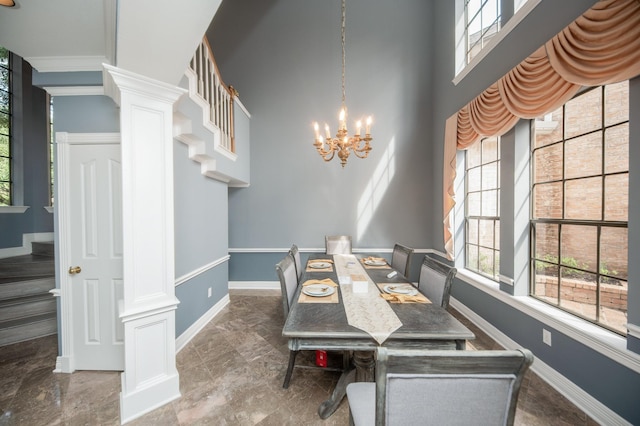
x=327 y=132
x=358 y=127
x=342 y=119
x=316 y=129
x=368 y=127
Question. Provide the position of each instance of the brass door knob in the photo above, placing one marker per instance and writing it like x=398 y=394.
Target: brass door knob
x=74 y=270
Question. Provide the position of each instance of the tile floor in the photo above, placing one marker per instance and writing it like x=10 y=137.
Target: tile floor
x=230 y=374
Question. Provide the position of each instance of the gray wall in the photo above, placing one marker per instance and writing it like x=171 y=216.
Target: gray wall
x=200 y=216
x=30 y=148
x=284 y=57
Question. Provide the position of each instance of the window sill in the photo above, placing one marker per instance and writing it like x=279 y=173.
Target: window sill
x=603 y=341
x=503 y=33
x=13 y=209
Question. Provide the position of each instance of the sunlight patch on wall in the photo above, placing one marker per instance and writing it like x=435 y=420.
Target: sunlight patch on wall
x=376 y=187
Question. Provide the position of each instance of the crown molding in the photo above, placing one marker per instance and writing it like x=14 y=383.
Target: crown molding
x=67 y=63
x=75 y=90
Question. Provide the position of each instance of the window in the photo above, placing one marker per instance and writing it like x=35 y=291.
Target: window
x=482 y=207
x=5 y=127
x=580 y=179
x=480 y=25
x=482 y=18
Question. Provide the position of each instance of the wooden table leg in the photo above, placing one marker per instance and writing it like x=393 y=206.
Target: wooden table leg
x=329 y=406
x=365 y=364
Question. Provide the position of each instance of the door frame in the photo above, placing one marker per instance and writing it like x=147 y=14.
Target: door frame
x=64 y=141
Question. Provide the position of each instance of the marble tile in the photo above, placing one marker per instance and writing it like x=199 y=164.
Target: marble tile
x=231 y=373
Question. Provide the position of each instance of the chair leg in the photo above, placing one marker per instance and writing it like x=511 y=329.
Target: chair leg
x=292 y=361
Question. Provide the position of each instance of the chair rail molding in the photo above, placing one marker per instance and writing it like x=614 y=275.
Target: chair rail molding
x=190 y=275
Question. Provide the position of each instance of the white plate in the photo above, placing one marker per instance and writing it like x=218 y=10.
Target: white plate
x=318 y=290
x=375 y=262
x=400 y=289
x=319 y=265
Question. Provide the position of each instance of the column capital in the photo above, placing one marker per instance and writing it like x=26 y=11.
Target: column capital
x=118 y=81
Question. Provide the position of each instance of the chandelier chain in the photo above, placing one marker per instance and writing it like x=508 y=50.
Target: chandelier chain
x=344 y=56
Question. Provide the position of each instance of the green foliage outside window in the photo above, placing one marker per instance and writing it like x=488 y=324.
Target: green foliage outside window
x=5 y=128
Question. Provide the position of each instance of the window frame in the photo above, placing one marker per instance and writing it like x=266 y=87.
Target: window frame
x=561 y=222
x=484 y=29
x=461 y=67
x=8 y=67
x=495 y=219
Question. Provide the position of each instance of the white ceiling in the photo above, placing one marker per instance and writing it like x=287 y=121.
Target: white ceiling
x=155 y=38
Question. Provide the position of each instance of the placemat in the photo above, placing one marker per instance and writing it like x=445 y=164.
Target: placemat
x=401 y=298
x=385 y=266
x=310 y=269
x=333 y=298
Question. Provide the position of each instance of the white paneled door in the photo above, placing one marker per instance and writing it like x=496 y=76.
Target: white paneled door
x=95 y=255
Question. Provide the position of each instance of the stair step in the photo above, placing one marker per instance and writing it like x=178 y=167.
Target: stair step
x=43 y=248
x=24 y=307
x=26 y=266
x=26 y=286
x=28 y=328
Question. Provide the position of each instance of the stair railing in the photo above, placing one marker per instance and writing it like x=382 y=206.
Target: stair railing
x=215 y=94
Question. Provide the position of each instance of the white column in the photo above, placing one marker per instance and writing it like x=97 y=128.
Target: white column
x=150 y=378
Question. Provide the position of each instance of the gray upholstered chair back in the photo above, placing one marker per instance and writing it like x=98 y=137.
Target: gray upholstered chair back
x=338 y=244
x=435 y=281
x=401 y=259
x=295 y=253
x=448 y=387
x=286 y=270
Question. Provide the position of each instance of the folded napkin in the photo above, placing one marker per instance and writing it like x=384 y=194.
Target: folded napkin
x=326 y=281
x=404 y=298
x=375 y=259
x=321 y=260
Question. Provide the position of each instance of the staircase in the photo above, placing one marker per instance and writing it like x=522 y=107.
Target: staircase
x=27 y=309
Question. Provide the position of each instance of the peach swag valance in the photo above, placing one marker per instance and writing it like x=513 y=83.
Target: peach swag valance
x=602 y=46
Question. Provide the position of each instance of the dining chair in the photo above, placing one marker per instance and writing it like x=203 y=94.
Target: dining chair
x=295 y=253
x=401 y=259
x=289 y=282
x=435 y=281
x=420 y=386
x=286 y=270
x=338 y=244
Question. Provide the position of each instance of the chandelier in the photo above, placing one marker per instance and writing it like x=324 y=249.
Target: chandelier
x=343 y=144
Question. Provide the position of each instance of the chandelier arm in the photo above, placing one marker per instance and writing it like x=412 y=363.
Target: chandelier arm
x=325 y=154
x=365 y=150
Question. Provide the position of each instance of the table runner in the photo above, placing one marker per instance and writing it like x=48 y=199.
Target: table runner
x=366 y=311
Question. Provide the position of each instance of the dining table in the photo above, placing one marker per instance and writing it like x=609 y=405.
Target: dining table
x=360 y=321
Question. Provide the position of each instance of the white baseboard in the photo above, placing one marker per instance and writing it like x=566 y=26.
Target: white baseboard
x=27 y=239
x=581 y=399
x=254 y=285
x=64 y=364
x=195 y=328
